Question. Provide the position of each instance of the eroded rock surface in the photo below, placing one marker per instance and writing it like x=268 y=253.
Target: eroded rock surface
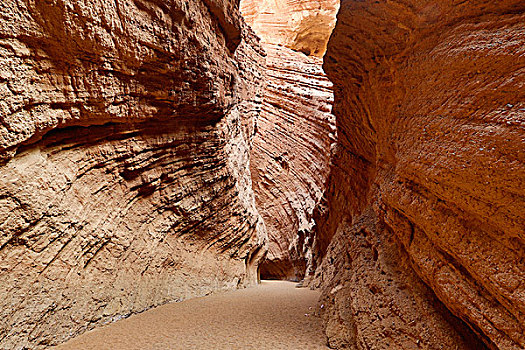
x=303 y=26
x=291 y=157
x=125 y=142
x=127 y=129
x=296 y=130
x=427 y=194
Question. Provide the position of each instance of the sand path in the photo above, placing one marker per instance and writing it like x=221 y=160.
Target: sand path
x=269 y=316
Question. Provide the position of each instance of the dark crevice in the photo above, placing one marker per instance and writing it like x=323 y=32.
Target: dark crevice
x=232 y=33
x=277 y=269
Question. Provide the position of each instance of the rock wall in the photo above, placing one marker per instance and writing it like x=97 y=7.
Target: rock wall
x=125 y=135
x=291 y=157
x=303 y=26
x=427 y=194
x=296 y=130
x=132 y=133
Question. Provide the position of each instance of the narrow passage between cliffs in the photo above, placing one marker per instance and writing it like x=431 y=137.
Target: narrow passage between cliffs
x=273 y=315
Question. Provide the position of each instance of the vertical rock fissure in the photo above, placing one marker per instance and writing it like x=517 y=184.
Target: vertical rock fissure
x=157 y=150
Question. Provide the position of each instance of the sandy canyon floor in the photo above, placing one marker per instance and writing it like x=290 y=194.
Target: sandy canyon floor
x=273 y=315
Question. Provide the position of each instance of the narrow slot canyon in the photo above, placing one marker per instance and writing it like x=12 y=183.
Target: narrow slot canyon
x=262 y=174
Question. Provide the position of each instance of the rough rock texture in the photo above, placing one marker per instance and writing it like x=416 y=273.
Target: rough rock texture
x=296 y=130
x=291 y=157
x=427 y=191
x=125 y=131
x=303 y=26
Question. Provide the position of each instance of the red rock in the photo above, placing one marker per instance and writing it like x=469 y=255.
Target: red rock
x=303 y=26
x=427 y=190
x=146 y=146
x=291 y=157
x=295 y=131
x=125 y=137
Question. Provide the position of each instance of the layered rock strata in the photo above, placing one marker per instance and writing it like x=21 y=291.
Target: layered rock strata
x=125 y=141
x=428 y=187
x=296 y=129
x=127 y=128
x=291 y=157
x=303 y=26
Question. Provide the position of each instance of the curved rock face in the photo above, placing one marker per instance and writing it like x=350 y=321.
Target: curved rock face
x=291 y=157
x=295 y=131
x=303 y=26
x=125 y=141
x=131 y=132
x=427 y=192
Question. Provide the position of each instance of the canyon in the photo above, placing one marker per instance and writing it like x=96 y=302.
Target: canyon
x=156 y=151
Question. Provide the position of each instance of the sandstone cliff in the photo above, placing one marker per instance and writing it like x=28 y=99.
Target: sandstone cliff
x=427 y=193
x=295 y=131
x=291 y=156
x=125 y=132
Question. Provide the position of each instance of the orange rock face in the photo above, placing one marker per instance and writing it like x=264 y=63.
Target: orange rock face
x=125 y=134
x=146 y=147
x=303 y=26
x=427 y=194
x=292 y=147
x=291 y=157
